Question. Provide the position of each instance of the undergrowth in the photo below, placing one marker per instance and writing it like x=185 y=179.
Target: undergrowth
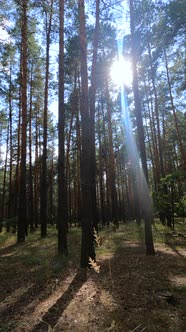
x=123 y=271
x=42 y=253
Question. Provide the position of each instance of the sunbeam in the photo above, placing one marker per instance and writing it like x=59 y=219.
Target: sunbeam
x=133 y=154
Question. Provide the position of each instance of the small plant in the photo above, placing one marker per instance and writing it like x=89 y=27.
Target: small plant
x=98 y=239
x=94 y=265
x=112 y=327
x=50 y=328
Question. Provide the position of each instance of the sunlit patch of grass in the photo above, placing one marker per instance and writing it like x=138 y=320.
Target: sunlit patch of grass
x=163 y=234
x=180 y=289
x=129 y=231
x=40 y=254
x=7 y=239
x=158 y=236
x=159 y=231
x=109 y=245
x=114 y=239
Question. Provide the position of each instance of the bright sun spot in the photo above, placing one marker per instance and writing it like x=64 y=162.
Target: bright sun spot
x=121 y=72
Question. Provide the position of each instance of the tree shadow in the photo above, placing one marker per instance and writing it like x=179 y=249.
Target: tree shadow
x=140 y=286
x=52 y=316
x=173 y=242
x=8 y=250
x=11 y=310
x=25 y=288
x=41 y=290
x=143 y=288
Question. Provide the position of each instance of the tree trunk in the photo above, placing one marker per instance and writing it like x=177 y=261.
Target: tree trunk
x=10 y=199
x=4 y=179
x=31 y=205
x=62 y=192
x=78 y=179
x=146 y=201
x=112 y=175
x=182 y=150
x=160 y=153
x=87 y=245
x=101 y=180
x=92 y=117
x=43 y=193
x=22 y=208
x=36 y=175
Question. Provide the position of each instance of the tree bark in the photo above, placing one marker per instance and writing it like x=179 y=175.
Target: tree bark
x=182 y=150
x=62 y=192
x=92 y=117
x=112 y=175
x=31 y=204
x=87 y=244
x=22 y=208
x=43 y=193
x=146 y=201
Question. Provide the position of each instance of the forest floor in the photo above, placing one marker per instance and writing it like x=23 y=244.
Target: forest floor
x=40 y=291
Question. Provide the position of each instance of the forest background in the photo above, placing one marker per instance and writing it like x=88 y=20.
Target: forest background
x=79 y=169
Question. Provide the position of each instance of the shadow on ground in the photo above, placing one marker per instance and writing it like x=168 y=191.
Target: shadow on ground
x=150 y=291
x=52 y=316
x=133 y=292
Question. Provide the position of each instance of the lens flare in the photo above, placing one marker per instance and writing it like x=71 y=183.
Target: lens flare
x=121 y=72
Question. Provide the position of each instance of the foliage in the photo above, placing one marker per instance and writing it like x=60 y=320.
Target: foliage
x=170 y=197
x=159 y=34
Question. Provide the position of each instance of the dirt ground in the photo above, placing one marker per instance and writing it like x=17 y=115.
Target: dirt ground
x=132 y=293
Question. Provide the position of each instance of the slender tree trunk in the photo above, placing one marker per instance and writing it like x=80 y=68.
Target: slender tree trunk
x=31 y=205
x=152 y=147
x=51 y=190
x=87 y=245
x=112 y=175
x=67 y=174
x=10 y=199
x=17 y=175
x=146 y=201
x=92 y=117
x=78 y=179
x=36 y=174
x=4 y=177
x=62 y=192
x=43 y=195
x=101 y=181
x=22 y=208
x=157 y=116
x=108 y=207
x=182 y=150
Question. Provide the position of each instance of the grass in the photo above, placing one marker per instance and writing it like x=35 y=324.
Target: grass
x=130 y=231
x=7 y=239
x=111 y=241
x=181 y=290
x=130 y=284
x=39 y=255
